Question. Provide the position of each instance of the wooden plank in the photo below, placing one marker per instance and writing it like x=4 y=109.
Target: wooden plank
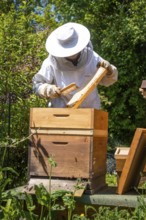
x=100 y=120
x=83 y=132
x=66 y=90
x=99 y=154
x=134 y=163
x=80 y=96
x=79 y=192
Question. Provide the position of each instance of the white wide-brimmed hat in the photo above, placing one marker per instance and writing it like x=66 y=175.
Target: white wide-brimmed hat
x=67 y=40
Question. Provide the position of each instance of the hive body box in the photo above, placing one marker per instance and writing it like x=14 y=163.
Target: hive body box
x=121 y=156
x=75 y=138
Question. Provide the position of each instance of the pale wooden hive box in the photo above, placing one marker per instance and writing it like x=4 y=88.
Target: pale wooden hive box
x=75 y=138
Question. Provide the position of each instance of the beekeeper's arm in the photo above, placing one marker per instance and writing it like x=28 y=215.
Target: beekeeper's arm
x=43 y=82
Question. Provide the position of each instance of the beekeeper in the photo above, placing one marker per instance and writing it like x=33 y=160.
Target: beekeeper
x=71 y=59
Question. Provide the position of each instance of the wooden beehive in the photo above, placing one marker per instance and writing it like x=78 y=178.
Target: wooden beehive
x=75 y=138
x=134 y=164
x=121 y=155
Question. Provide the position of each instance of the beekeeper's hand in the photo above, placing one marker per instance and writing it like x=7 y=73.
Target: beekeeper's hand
x=108 y=66
x=49 y=91
x=143 y=92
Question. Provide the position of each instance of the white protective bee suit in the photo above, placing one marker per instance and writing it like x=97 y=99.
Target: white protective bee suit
x=61 y=72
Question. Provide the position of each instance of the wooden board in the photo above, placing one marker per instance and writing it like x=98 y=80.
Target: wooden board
x=80 y=96
x=134 y=163
x=68 y=89
x=88 y=132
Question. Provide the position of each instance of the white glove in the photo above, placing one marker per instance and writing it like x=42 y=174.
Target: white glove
x=108 y=66
x=49 y=91
x=53 y=91
x=143 y=92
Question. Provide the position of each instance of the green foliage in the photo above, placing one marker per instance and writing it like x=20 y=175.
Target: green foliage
x=118 y=35
x=45 y=205
x=22 y=49
x=140 y=211
x=5 y=180
x=25 y=206
x=111 y=179
x=123 y=44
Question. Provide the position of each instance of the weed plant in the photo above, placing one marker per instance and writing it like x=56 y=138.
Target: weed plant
x=45 y=204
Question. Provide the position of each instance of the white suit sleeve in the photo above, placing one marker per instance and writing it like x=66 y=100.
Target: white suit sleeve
x=43 y=78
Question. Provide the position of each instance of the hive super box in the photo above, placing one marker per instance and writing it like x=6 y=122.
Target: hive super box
x=76 y=139
x=121 y=154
